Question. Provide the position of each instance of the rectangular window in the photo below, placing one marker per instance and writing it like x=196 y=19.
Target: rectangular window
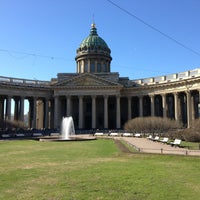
x=92 y=67
x=86 y=67
x=99 y=67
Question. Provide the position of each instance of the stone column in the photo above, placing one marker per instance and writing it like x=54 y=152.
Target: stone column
x=46 y=113
x=8 y=108
x=82 y=66
x=176 y=113
x=129 y=108
x=68 y=105
x=30 y=113
x=199 y=105
x=77 y=67
x=22 y=109
x=51 y=111
x=1 y=108
x=188 y=108
x=34 y=112
x=16 y=107
x=193 y=107
x=80 y=123
x=141 y=106
x=118 y=113
x=93 y=112
x=164 y=105
x=56 y=111
x=105 y=111
x=152 y=105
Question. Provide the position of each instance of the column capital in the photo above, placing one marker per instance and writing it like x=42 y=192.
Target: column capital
x=9 y=96
x=188 y=92
x=151 y=96
x=35 y=98
x=47 y=98
x=68 y=96
x=22 y=96
x=164 y=95
x=140 y=96
x=118 y=95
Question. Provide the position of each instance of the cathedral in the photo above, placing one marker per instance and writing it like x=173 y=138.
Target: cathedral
x=98 y=98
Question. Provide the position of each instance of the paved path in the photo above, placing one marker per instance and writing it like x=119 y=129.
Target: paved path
x=148 y=146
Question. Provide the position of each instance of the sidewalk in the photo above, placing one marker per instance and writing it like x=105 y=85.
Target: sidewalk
x=148 y=146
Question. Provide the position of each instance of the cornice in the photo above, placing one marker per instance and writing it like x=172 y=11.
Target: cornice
x=169 y=84
x=24 y=87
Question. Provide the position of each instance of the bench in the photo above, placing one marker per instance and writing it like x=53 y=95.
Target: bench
x=113 y=134
x=5 y=136
x=155 y=139
x=20 y=134
x=149 y=137
x=37 y=134
x=98 y=134
x=127 y=134
x=176 y=142
x=55 y=134
x=164 y=140
x=137 y=135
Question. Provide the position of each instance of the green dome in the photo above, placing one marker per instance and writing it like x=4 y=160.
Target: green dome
x=93 y=40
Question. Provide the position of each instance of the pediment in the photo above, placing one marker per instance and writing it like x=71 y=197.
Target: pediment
x=86 y=80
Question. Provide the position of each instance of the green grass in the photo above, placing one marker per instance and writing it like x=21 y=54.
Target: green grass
x=93 y=170
x=191 y=145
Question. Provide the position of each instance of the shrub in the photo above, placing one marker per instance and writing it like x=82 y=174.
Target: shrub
x=191 y=134
x=10 y=124
x=151 y=125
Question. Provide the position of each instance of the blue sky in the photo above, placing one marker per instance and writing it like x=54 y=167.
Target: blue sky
x=48 y=32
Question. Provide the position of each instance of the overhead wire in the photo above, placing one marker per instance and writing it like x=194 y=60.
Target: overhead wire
x=154 y=28
x=25 y=54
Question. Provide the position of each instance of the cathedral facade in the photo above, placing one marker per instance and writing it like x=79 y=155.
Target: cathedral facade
x=97 y=98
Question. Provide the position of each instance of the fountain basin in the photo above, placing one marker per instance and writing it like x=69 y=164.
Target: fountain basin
x=67 y=133
x=71 y=138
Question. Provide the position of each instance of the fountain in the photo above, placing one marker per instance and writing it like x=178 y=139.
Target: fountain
x=67 y=133
x=67 y=128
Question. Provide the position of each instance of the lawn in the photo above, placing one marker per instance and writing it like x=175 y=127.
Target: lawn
x=93 y=170
x=191 y=145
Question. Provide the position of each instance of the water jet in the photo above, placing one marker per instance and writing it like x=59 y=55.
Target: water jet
x=67 y=133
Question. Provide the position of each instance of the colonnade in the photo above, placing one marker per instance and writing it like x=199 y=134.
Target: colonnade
x=100 y=111
x=93 y=65
x=12 y=108
x=90 y=112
